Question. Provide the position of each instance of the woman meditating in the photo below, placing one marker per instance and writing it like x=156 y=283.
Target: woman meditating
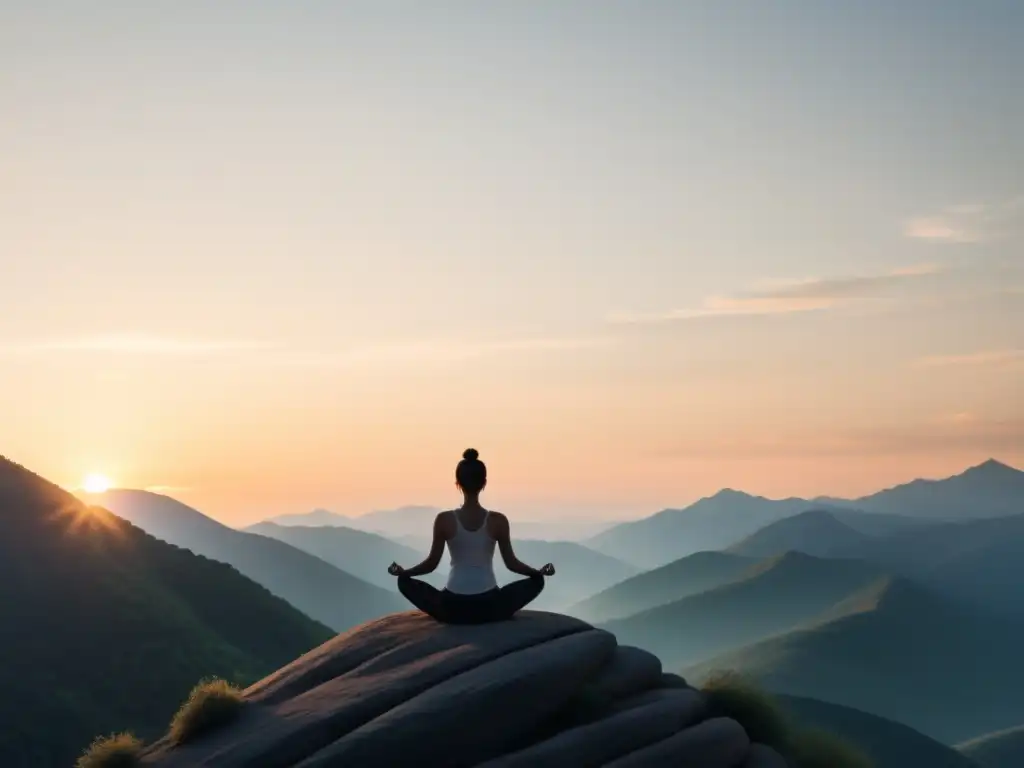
x=472 y=595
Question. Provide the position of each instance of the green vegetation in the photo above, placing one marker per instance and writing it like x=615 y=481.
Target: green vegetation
x=117 y=751
x=114 y=627
x=730 y=695
x=211 y=704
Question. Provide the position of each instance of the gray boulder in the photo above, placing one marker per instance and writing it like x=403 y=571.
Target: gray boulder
x=539 y=690
x=716 y=743
x=761 y=756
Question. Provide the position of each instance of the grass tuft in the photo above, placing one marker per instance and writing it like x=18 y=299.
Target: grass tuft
x=119 y=750
x=732 y=695
x=211 y=704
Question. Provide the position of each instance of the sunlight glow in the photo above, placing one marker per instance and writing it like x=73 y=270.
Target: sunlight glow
x=95 y=483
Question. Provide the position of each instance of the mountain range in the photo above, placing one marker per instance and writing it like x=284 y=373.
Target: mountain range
x=328 y=594
x=815 y=532
x=411 y=524
x=106 y=627
x=649 y=589
x=901 y=651
x=978 y=561
x=367 y=555
x=361 y=553
x=988 y=490
x=894 y=619
x=768 y=598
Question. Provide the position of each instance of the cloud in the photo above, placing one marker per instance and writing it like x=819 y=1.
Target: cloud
x=435 y=351
x=135 y=344
x=385 y=353
x=993 y=357
x=969 y=222
x=781 y=297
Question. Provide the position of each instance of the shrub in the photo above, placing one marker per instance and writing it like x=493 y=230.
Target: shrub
x=120 y=750
x=211 y=704
x=731 y=695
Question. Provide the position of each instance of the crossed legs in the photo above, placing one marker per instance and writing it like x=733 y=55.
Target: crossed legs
x=452 y=608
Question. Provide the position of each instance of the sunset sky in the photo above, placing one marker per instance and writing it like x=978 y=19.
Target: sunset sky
x=274 y=256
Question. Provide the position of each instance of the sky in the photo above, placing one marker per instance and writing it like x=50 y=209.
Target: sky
x=272 y=256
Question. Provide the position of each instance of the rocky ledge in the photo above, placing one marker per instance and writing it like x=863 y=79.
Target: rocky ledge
x=540 y=690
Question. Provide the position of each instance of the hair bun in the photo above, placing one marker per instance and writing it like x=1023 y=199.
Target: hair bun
x=471 y=454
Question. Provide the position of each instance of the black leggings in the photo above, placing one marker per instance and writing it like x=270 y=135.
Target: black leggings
x=452 y=608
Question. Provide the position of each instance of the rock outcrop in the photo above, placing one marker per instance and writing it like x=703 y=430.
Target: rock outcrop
x=542 y=690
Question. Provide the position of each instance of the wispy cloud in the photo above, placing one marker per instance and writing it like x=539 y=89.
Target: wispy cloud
x=991 y=357
x=780 y=297
x=134 y=344
x=969 y=222
x=436 y=351
x=278 y=355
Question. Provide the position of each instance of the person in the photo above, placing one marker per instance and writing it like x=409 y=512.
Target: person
x=472 y=595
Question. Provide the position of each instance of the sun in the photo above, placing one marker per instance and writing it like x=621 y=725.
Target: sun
x=95 y=483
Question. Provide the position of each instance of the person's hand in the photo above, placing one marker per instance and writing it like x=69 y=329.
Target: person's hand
x=395 y=569
x=547 y=570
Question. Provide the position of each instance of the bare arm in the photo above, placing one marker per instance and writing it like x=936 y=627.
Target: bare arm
x=500 y=531
x=433 y=557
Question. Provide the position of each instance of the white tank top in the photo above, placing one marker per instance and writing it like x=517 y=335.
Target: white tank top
x=472 y=568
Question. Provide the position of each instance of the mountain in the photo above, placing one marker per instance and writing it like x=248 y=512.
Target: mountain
x=328 y=594
x=1003 y=749
x=718 y=522
x=900 y=651
x=362 y=554
x=815 y=532
x=773 y=596
x=889 y=744
x=367 y=555
x=876 y=523
x=316 y=518
x=979 y=561
x=398 y=521
x=990 y=489
x=580 y=572
x=411 y=525
x=679 y=579
x=105 y=627
x=402 y=521
x=712 y=523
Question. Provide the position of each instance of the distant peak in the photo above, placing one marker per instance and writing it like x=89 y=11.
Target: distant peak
x=990 y=465
x=731 y=493
x=992 y=468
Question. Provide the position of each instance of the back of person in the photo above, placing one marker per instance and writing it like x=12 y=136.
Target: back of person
x=472 y=559
x=472 y=595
